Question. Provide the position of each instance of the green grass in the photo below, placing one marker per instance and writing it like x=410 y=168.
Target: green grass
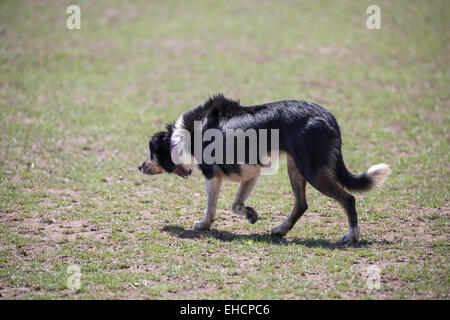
x=77 y=108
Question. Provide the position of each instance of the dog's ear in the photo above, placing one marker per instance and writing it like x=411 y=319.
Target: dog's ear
x=169 y=127
x=168 y=132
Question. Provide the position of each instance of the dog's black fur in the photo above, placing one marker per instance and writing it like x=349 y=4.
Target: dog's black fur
x=308 y=133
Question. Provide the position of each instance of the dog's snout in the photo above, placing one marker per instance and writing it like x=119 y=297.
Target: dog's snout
x=150 y=168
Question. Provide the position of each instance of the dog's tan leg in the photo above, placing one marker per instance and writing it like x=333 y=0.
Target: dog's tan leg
x=213 y=189
x=298 y=184
x=325 y=182
x=244 y=191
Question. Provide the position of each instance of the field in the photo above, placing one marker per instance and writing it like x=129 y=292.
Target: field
x=77 y=108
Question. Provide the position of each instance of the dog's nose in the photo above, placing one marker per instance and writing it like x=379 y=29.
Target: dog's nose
x=140 y=168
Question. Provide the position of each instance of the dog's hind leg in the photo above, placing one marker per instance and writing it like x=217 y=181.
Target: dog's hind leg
x=213 y=189
x=324 y=180
x=238 y=206
x=298 y=184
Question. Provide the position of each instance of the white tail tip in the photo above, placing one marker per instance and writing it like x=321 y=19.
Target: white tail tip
x=378 y=173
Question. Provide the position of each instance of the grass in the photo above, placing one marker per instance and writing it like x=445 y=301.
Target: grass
x=77 y=108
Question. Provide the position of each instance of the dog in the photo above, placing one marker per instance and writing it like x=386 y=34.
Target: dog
x=308 y=134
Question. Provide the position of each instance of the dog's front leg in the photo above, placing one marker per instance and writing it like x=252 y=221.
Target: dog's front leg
x=212 y=188
x=238 y=206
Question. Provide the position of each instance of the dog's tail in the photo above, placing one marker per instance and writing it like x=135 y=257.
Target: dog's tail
x=373 y=177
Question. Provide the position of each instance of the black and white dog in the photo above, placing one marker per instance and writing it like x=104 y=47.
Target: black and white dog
x=307 y=133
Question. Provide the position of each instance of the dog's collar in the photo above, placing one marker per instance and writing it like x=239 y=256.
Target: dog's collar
x=182 y=172
x=179 y=169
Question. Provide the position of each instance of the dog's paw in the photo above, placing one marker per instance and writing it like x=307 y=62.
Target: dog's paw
x=349 y=238
x=251 y=214
x=278 y=232
x=202 y=226
x=352 y=236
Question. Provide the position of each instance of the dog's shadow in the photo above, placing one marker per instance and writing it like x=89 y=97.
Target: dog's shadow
x=226 y=236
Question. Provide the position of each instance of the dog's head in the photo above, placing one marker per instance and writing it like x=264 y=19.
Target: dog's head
x=159 y=160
